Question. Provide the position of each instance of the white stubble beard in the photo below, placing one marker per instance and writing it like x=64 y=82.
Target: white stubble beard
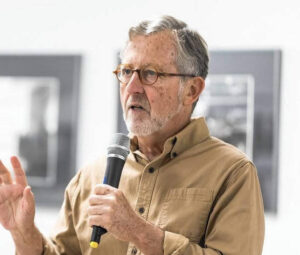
x=155 y=121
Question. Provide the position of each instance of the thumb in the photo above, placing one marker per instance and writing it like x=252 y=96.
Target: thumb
x=28 y=200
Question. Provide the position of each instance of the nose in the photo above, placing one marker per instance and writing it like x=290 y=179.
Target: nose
x=135 y=85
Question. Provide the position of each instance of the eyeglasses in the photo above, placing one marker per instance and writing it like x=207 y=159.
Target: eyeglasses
x=148 y=75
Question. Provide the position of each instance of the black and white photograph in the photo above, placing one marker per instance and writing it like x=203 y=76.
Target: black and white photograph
x=228 y=105
x=30 y=128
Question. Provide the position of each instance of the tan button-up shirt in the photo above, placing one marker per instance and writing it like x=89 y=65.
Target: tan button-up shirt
x=202 y=192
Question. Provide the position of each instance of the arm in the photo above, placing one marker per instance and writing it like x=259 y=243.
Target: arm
x=17 y=210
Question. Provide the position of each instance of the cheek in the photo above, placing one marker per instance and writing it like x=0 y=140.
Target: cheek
x=169 y=97
x=163 y=100
x=162 y=93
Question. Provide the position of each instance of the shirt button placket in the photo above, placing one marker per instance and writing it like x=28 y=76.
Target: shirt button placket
x=144 y=197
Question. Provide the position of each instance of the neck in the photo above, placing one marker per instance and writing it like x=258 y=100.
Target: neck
x=152 y=145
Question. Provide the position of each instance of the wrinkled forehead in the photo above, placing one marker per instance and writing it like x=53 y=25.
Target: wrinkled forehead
x=158 y=49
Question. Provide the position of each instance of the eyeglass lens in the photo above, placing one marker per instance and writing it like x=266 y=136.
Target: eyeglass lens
x=147 y=75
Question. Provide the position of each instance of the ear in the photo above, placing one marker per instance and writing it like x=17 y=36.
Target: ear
x=193 y=90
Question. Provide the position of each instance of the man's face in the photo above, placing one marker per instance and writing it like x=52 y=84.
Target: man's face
x=149 y=108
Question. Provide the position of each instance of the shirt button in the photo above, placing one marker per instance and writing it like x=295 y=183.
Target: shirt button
x=151 y=170
x=174 y=154
x=141 y=210
x=134 y=250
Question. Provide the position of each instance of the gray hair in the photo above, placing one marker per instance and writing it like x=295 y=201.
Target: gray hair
x=192 y=53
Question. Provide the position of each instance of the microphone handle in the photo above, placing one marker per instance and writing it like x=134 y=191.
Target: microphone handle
x=112 y=177
x=96 y=235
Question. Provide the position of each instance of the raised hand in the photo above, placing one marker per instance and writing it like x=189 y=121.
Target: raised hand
x=17 y=206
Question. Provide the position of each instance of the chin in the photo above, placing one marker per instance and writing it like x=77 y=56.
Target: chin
x=144 y=128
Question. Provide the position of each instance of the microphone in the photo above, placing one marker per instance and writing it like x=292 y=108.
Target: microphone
x=117 y=154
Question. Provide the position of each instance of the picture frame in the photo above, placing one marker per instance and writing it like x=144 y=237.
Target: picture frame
x=40 y=99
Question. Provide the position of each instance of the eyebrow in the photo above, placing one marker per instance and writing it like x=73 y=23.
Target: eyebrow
x=158 y=67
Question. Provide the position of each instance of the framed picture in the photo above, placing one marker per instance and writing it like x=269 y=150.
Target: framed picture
x=228 y=104
x=39 y=109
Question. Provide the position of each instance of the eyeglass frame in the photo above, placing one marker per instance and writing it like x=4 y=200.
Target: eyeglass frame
x=138 y=70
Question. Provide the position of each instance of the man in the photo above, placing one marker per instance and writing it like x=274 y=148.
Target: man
x=181 y=191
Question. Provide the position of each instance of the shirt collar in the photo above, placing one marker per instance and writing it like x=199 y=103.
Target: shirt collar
x=194 y=133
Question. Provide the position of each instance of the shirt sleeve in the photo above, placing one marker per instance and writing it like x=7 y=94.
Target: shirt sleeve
x=64 y=241
x=236 y=223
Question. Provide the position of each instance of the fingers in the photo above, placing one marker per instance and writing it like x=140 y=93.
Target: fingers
x=100 y=199
x=28 y=201
x=95 y=200
x=97 y=220
x=98 y=213
x=103 y=189
x=98 y=210
x=5 y=174
x=105 y=194
x=18 y=170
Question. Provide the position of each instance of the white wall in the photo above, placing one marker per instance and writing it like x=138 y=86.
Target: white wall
x=97 y=29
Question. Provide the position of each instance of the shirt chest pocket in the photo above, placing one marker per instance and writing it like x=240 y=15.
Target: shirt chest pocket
x=185 y=211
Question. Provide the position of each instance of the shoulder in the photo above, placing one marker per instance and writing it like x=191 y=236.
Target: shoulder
x=217 y=150
x=220 y=159
x=238 y=164
x=223 y=148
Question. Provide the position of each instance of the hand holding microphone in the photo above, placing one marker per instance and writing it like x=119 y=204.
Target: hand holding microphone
x=108 y=204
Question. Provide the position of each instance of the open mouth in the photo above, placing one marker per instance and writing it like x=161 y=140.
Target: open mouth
x=136 y=107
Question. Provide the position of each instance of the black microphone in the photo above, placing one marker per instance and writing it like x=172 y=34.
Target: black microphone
x=117 y=154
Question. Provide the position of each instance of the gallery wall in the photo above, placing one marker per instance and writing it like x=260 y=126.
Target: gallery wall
x=97 y=30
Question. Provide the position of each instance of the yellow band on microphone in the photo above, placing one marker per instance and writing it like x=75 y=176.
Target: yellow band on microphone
x=94 y=245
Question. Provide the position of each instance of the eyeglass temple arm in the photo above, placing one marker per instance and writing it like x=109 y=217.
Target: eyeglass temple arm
x=176 y=74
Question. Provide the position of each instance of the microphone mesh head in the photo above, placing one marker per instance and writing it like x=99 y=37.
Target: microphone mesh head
x=119 y=145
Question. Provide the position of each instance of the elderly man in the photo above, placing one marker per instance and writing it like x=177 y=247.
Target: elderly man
x=181 y=191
